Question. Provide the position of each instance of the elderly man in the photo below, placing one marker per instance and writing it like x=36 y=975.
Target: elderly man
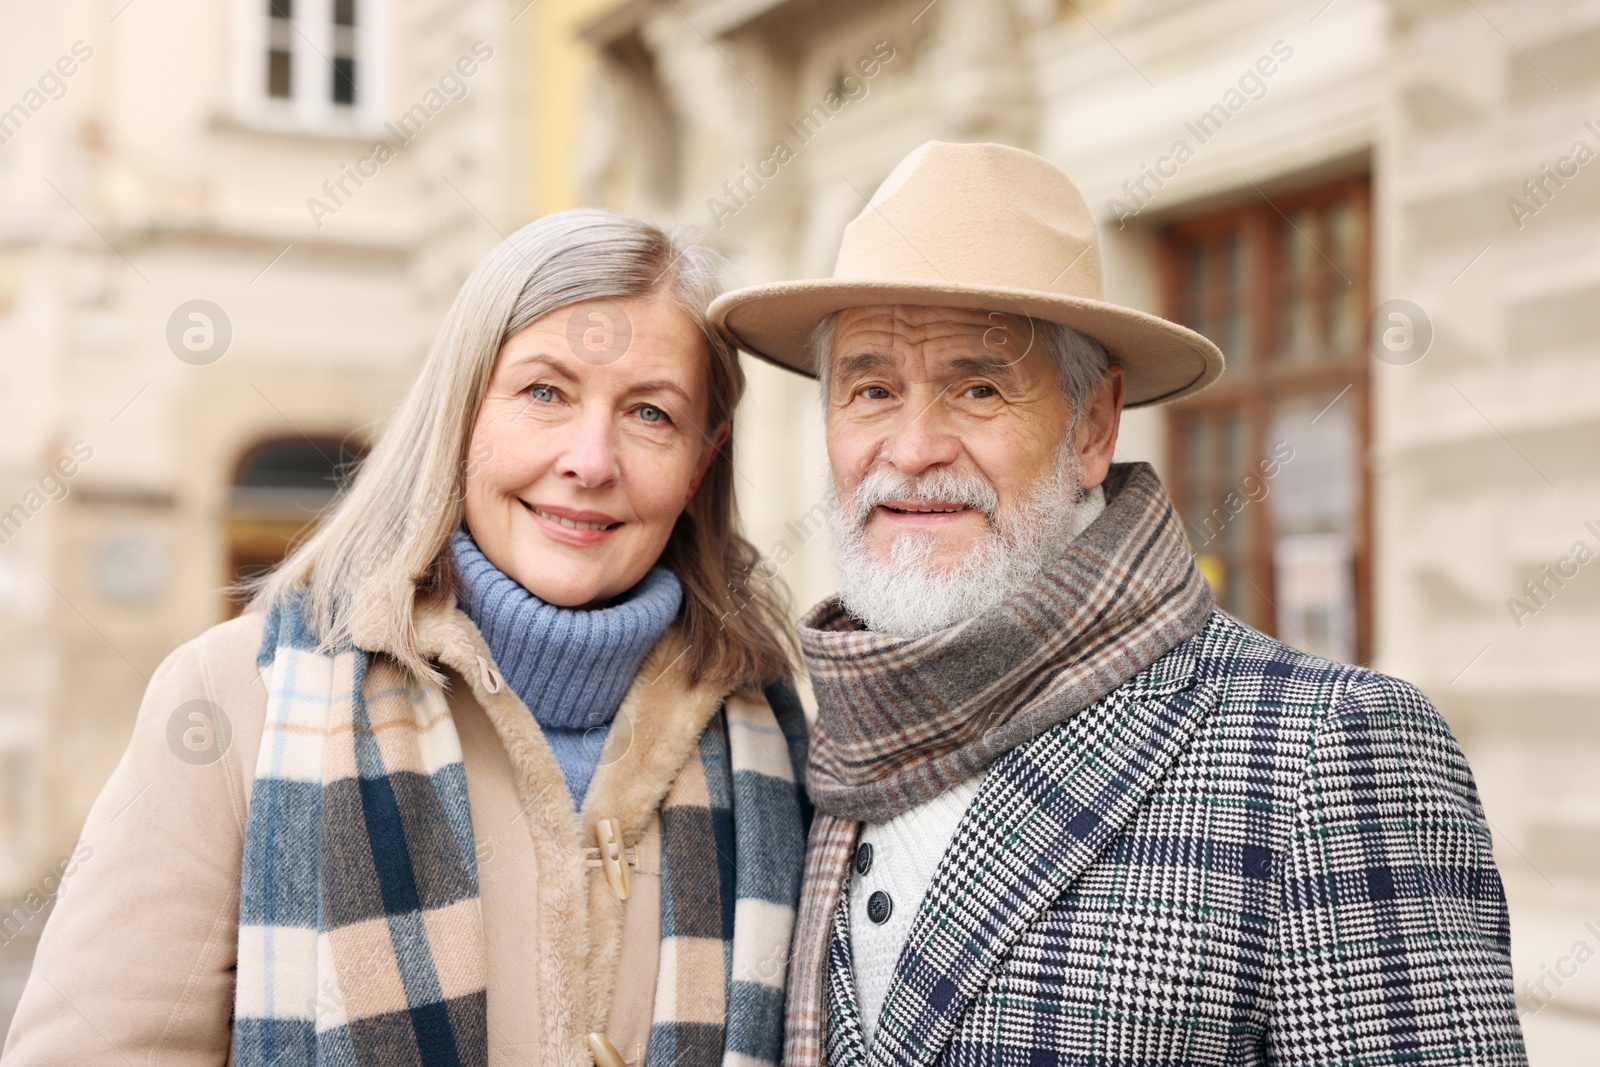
x=1069 y=812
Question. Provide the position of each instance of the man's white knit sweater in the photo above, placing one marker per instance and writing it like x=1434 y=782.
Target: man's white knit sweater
x=905 y=852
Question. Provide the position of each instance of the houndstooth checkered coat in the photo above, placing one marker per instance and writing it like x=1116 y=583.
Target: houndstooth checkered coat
x=1244 y=855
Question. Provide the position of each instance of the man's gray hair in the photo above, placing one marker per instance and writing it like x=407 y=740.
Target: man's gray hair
x=1080 y=360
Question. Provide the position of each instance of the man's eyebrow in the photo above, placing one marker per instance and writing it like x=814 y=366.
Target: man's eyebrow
x=992 y=365
x=860 y=363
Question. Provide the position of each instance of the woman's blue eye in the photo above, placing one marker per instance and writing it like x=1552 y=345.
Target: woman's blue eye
x=875 y=392
x=542 y=393
x=652 y=414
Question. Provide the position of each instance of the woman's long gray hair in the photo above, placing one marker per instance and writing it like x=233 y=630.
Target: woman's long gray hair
x=382 y=549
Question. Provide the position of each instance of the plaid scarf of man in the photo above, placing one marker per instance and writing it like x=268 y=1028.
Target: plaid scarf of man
x=901 y=720
x=360 y=935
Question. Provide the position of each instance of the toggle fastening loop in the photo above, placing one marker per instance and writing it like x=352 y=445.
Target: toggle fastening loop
x=608 y=835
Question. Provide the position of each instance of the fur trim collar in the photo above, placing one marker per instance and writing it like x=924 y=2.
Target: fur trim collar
x=655 y=733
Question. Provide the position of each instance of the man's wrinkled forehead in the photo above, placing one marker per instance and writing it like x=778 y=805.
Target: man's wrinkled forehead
x=866 y=338
x=911 y=324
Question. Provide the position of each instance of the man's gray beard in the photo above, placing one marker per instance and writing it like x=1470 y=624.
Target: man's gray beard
x=905 y=595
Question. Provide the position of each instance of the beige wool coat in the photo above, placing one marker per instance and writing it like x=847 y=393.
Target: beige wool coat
x=136 y=963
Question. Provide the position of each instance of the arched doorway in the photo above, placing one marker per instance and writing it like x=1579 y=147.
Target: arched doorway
x=280 y=488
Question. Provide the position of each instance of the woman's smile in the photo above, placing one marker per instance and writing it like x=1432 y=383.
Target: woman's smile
x=580 y=529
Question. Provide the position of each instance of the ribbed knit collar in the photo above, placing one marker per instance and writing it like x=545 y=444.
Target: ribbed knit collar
x=571 y=667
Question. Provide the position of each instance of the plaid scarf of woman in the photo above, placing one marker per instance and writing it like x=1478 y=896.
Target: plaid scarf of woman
x=900 y=720
x=360 y=937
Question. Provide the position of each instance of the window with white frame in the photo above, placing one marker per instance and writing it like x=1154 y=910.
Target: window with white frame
x=280 y=49
x=344 y=53
x=310 y=63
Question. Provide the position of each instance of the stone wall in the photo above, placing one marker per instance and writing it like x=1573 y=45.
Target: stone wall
x=1489 y=446
x=151 y=177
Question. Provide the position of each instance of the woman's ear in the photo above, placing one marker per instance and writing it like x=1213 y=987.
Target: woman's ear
x=715 y=446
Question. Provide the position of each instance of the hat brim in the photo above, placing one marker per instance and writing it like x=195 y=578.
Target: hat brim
x=1162 y=361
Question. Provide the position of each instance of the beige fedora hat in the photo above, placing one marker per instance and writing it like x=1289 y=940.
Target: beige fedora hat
x=982 y=226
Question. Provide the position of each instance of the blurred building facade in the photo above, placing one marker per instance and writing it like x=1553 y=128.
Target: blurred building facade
x=1384 y=212
x=213 y=284
x=227 y=233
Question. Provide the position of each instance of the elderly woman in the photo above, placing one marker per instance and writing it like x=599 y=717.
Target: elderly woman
x=499 y=767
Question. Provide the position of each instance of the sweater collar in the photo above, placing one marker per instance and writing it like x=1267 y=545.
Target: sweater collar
x=571 y=667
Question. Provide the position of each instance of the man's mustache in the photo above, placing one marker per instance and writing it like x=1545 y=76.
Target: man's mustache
x=883 y=484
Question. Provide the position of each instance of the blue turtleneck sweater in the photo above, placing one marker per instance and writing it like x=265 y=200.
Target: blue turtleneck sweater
x=570 y=667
